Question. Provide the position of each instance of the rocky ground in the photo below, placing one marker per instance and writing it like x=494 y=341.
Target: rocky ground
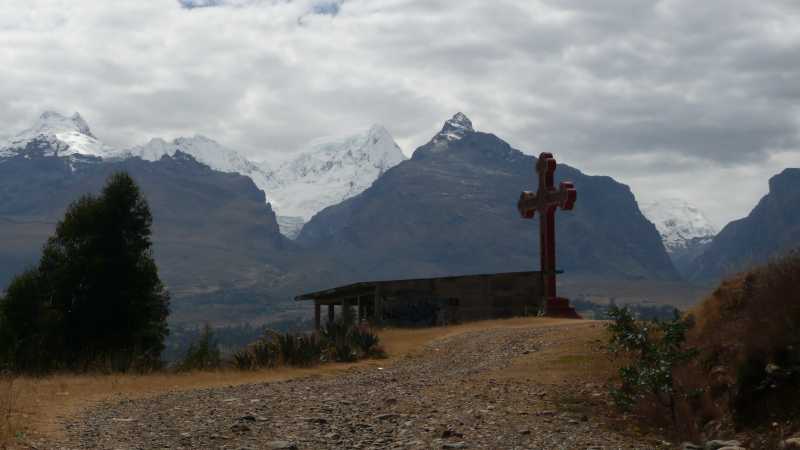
x=450 y=395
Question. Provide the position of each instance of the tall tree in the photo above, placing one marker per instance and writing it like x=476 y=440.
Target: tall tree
x=98 y=276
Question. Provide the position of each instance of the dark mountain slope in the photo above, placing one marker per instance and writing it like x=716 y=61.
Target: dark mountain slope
x=451 y=209
x=771 y=228
x=211 y=230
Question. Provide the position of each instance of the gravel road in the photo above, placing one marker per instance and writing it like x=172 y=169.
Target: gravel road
x=447 y=396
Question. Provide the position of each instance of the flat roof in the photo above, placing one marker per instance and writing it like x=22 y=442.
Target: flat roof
x=363 y=286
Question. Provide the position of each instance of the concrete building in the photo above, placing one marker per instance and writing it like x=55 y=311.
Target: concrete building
x=433 y=301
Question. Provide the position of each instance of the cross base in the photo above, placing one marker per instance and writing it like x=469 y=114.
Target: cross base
x=559 y=307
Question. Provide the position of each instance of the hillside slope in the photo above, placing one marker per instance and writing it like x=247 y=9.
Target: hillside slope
x=771 y=228
x=451 y=209
x=212 y=231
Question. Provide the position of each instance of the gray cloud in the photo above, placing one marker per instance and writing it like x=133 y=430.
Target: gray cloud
x=656 y=94
x=189 y=4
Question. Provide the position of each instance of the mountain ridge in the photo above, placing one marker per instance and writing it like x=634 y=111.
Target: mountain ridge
x=771 y=227
x=54 y=134
x=327 y=171
x=435 y=214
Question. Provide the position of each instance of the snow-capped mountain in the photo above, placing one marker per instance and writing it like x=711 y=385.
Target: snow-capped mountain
x=454 y=128
x=204 y=150
x=54 y=134
x=682 y=226
x=330 y=171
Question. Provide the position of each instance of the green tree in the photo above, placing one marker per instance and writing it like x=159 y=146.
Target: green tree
x=99 y=284
x=28 y=325
x=652 y=350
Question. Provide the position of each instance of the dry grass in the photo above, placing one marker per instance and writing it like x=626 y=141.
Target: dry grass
x=579 y=357
x=8 y=422
x=42 y=403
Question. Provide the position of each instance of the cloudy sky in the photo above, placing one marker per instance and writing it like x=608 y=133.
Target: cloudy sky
x=677 y=98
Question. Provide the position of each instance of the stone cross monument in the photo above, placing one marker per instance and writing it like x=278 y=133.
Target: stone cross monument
x=545 y=201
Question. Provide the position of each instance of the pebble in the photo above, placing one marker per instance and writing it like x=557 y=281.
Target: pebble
x=281 y=445
x=717 y=444
x=449 y=399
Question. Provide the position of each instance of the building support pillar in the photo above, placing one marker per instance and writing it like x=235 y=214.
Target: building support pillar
x=377 y=299
x=330 y=314
x=317 y=315
x=347 y=314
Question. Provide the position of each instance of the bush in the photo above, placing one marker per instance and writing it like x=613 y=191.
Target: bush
x=653 y=350
x=351 y=342
x=203 y=354
x=338 y=342
x=366 y=341
x=265 y=354
x=244 y=360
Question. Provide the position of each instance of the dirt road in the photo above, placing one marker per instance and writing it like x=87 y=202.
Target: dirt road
x=517 y=387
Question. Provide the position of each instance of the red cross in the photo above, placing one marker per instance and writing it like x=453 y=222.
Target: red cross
x=545 y=201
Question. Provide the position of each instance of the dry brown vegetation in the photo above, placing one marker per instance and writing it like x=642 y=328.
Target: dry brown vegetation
x=36 y=406
x=748 y=335
x=8 y=422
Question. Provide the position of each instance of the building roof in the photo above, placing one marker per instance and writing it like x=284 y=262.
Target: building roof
x=366 y=287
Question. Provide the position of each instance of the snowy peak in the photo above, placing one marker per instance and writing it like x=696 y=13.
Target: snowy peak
x=374 y=147
x=203 y=149
x=330 y=171
x=54 y=134
x=455 y=128
x=680 y=224
x=52 y=122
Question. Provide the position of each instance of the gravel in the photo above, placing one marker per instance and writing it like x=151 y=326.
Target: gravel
x=442 y=398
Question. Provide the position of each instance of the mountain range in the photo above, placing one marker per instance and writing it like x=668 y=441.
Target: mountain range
x=360 y=211
x=328 y=171
x=451 y=208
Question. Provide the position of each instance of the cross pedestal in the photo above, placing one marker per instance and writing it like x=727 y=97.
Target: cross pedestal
x=545 y=201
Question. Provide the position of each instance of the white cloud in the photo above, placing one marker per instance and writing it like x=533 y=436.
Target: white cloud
x=676 y=98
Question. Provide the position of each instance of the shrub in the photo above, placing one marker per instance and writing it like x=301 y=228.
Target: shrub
x=265 y=354
x=202 y=354
x=653 y=350
x=366 y=341
x=350 y=342
x=244 y=360
x=338 y=341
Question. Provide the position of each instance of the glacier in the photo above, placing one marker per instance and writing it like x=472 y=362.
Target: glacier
x=681 y=224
